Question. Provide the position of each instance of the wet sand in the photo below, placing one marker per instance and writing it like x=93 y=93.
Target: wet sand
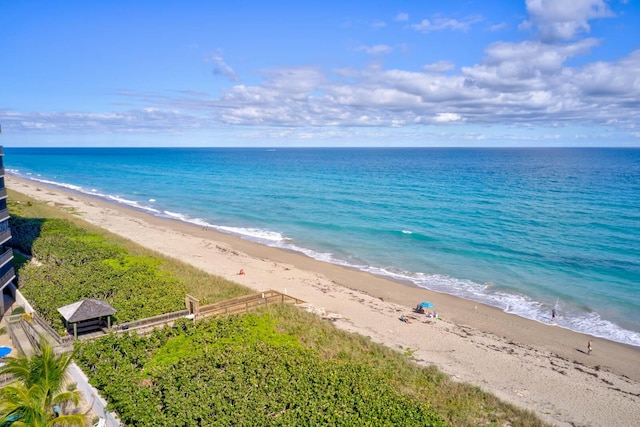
x=533 y=365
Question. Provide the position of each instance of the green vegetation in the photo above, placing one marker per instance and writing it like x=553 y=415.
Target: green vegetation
x=18 y=310
x=277 y=366
x=73 y=264
x=74 y=261
x=241 y=371
x=37 y=390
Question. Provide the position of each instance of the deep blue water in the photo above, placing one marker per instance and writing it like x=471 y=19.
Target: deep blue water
x=525 y=230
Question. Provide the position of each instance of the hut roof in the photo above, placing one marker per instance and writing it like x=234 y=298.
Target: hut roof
x=85 y=310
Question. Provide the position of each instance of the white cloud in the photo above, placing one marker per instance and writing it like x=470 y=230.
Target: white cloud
x=440 y=23
x=564 y=19
x=379 y=49
x=402 y=17
x=498 y=27
x=527 y=64
x=448 y=117
x=620 y=79
x=516 y=84
x=439 y=67
x=145 y=120
x=221 y=68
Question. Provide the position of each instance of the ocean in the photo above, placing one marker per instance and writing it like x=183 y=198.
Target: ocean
x=526 y=230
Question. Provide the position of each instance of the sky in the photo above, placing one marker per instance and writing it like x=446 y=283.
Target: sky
x=503 y=73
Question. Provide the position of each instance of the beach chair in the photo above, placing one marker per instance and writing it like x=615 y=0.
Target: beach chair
x=101 y=423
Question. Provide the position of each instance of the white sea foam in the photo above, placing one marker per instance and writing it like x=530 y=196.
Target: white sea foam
x=94 y=193
x=176 y=215
x=60 y=184
x=569 y=317
x=256 y=234
x=518 y=304
x=320 y=256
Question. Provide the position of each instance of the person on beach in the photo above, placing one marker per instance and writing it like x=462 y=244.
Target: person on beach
x=589 y=348
x=553 y=315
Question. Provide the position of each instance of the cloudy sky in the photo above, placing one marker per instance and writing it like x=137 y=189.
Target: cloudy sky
x=320 y=73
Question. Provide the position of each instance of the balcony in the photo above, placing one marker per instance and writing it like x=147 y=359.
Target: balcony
x=6 y=257
x=7 y=278
x=3 y=193
x=5 y=236
x=4 y=215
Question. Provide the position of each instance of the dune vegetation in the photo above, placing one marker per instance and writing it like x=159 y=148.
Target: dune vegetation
x=276 y=366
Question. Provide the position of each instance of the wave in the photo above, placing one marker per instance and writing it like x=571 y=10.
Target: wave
x=90 y=192
x=572 y=318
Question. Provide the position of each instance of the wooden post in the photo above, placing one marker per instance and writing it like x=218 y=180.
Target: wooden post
x=75 y=330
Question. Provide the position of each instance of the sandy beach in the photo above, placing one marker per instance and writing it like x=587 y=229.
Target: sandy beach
x=533 y=365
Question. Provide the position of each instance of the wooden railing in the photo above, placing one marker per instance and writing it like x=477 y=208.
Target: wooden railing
x=34 y=329
x=14 y=321
x=66 y=340
x=245 y=303
x=150 y=321
x=237 y=305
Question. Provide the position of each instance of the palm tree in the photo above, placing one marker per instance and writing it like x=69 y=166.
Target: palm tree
x=22 y=407
x=38 y=387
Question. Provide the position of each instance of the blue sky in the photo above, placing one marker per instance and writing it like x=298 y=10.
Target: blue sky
x=311 y=73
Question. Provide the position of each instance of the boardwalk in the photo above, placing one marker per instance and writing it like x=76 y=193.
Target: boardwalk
x=26 y=329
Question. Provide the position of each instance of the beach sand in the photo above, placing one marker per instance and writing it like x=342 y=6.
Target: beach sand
x=533 y=365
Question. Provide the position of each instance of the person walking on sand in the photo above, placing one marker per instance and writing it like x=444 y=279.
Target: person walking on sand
x=589 y=348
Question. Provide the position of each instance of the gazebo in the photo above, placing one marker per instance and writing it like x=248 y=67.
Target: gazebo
x=87 y=315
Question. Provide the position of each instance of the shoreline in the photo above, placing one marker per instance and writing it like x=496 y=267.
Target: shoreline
x=531 y=364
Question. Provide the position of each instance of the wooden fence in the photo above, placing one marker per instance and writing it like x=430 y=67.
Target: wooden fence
x=26 y=330
x=35 y=327
x=245 y=303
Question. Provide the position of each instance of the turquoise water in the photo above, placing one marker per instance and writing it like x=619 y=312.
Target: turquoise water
x=525 y=230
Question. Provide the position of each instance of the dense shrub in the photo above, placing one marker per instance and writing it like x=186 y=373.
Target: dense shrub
x=71 y=264
x=241 y=371
x=282 y=367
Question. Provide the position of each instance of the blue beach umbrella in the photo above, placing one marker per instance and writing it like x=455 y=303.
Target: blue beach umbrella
x=4 y=351
x=425 y=304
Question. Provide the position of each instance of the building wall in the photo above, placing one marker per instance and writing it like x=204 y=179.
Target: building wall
x=7 y=273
